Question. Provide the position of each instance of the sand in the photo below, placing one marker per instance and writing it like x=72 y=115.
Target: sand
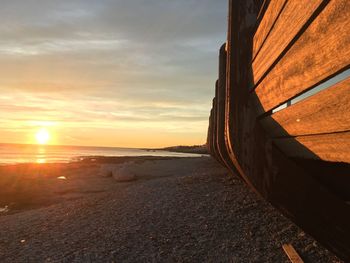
x=174 y=210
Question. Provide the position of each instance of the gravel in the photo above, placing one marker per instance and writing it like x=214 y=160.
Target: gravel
x=201 y=214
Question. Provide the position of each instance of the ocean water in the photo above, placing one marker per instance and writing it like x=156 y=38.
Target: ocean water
x=23 y=153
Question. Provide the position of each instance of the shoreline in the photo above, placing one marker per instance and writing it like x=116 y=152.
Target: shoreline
x=26 y=186
x=194 y=149
x=174 y=209
x=19 y=153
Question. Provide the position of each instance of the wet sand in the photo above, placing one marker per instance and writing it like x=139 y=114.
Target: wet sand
x=176 y=210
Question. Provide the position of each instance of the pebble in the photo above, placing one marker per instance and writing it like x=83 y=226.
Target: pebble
x=170 y=219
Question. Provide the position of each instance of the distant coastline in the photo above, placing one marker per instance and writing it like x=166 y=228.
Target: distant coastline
x=198 y=149
x=26 y=153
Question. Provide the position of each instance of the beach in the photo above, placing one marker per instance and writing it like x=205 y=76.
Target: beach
x=166 y=209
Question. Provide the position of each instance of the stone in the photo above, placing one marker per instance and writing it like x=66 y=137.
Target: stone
x=123 y=173
x=106 y=170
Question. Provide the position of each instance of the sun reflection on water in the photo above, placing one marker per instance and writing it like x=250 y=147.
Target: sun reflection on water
x=41 y=155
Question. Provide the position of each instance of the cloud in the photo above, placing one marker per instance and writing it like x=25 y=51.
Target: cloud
x=99 y=62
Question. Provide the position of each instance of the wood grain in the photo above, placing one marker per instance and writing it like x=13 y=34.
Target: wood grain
x=278 y=178
x=214 y=131
x=328 y=147
x=326 y=112
x=266 y=24
x=292 y=253
x=220 y=94
x=321 y=51
x=293 y=17
x=209 y=135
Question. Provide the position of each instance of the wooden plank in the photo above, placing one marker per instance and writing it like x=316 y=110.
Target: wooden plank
x=292 y=253
x=220 y=94
x=209 y=135
x=323 y=50
x=326 y=112
x=329 y=147
x=275 y=176
x=214 y=133
x=266 y=24
x=218 y=117
x=293 y=17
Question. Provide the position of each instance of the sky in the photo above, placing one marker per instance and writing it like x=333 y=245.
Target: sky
x=135 y=73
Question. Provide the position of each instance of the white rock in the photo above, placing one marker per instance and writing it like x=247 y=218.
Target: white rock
x=123 y=173
x=4 y=209
x=106 y=170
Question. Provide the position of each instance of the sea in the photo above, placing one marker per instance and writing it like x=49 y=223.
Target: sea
x=26 y=153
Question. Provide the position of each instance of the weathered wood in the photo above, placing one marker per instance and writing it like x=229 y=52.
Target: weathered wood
x=216 y=145
x=262 y=10
x=325 y=112
x=333 y=147
x=293 y=17
x=220 y=94
x=242 y=21
x=239 y=47
x=295 y=191
x=266 y=24
x=320 y=52
x=218 y=136
x=292 y=253
x=214 y=131
x=311 y=205
x=209 y=136
x=332 y=175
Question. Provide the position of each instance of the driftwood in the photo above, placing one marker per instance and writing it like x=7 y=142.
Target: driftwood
x=292 y=253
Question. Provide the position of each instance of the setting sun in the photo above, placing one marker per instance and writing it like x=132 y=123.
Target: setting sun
x=42 y=136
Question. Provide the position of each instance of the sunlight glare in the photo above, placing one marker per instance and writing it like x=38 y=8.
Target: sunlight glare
x=42 y=136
